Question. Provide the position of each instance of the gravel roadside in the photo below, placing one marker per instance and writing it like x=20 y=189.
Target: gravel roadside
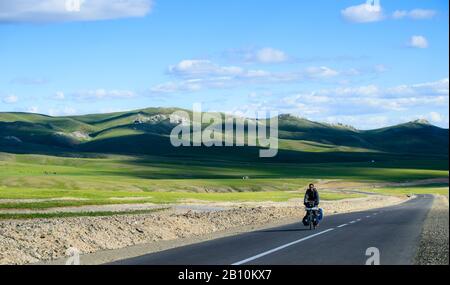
x=433 y=248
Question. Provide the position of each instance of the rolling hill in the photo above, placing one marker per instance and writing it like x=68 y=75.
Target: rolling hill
x=147 y=131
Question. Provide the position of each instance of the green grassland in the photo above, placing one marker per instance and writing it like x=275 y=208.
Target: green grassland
x=106 y=198
x=423 y=189
x=125 y=180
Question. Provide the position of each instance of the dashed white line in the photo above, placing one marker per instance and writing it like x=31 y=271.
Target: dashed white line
x=358 y=220
x=352 y=222
x=367 y=216
x=280 y=248
x=343 y=225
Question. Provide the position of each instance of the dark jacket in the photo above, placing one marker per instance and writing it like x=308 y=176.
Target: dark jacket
x=312 y=196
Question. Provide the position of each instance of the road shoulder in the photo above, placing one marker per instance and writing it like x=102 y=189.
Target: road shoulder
x=434 y=244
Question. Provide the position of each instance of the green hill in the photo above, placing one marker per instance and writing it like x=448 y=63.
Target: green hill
x=147 y=131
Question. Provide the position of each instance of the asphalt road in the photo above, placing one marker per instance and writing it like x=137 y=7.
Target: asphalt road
x=340 y=239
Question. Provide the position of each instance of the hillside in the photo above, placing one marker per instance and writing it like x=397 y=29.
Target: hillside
x=147 y=131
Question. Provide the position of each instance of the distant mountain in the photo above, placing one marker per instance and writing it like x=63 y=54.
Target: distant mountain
x=147 y=131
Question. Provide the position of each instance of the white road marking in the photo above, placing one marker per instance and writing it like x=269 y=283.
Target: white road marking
x=343 y=225
x=358 y=220
x=352 y=222
x=280 y=248
x=367 y=216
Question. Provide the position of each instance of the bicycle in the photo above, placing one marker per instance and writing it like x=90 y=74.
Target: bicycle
x=311 y=217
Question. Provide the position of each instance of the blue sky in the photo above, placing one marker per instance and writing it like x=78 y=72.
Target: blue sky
x=364 y=64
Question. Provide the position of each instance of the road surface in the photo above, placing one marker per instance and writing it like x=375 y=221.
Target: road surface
x=340 y=239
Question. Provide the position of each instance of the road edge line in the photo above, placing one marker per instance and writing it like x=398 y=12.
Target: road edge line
x=280 y=247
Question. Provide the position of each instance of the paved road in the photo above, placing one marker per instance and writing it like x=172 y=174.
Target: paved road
x=340 y=239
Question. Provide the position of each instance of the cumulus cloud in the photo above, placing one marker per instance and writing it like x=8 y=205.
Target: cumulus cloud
x=321 y=72
x=224 y=82
x=198 y=74
x=194 y=67
x=416 y=14
x=367 y=106
x=10 y=99
x=371 y=11
x=42 y=11
x=434 y=88
x=418 y=42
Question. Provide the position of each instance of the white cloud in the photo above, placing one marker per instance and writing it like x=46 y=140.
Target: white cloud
x=321 y=72
x=369 y=106
x=62 y=111
x=198 y=74
x=363 y=91
x=103 y=94
x=10 y=99
x=419 y=14
x=435 y=88
x=365 y=107
x=271 y=55
x=418 y=42
x=200 y=67
x=365 y=122
x=196 y=70
x=416 y=14
x=371 y=11
x=38 y=11
x=435 y=117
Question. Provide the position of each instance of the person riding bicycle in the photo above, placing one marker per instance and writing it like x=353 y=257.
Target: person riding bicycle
x=312 y=200
x=312 y=196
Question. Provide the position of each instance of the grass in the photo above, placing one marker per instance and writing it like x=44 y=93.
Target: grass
x=412 y=190
x=161 y=198
x=26 y=216
x=57 y=204
x=112 y=179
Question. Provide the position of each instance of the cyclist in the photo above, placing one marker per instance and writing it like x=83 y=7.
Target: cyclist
x=312 y=200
